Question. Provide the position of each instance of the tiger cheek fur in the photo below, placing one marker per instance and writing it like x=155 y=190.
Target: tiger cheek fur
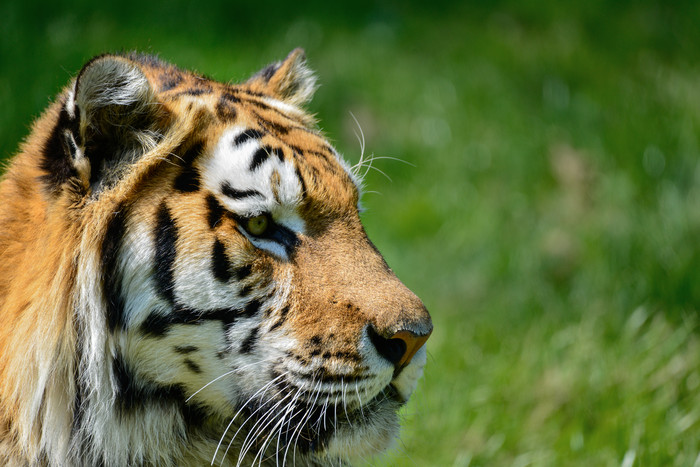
x=184 y=278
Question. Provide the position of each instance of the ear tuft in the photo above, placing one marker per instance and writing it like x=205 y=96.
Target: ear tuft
x=290 y=80
x=110 y=92
x=119 y=116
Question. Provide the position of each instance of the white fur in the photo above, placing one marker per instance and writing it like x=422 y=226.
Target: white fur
x=223 y=383
x=230 y=164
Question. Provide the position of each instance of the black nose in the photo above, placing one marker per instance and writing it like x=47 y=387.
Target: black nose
x=399 y=348
x=392 y=349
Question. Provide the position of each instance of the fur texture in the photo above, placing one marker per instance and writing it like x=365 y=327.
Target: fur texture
x=184 y=279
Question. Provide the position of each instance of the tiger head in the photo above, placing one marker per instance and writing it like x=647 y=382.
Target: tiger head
x=225 y=301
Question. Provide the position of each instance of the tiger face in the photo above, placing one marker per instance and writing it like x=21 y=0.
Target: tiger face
x=228 y=305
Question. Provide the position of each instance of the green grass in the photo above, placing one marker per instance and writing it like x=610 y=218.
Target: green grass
x=549 y=217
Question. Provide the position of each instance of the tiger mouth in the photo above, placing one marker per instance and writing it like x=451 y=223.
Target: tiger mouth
x=306 y=428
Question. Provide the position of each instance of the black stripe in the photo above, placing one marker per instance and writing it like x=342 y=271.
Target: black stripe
x=250 y=133
x=233 y=193
x=301 y=180
x=166 y=239
x=111 y=279
x=259 y=157
x=150 y=60
x=329 y=149
x=229 y=97
x=264 y=106
x=269 y=71
x=188 y=180
x=245 y=291
x=192 y=153
x=282 y=318
x=157 y=324
x=135 y=394
x=125 y=385
x=169 y=80
x=225 y=108
x=321 y=155
x=228 y=316
x=185 y=349
x=192 y=366
x=325 y=159
x=252 y=308
x=272 y=127
x=197 y=90
x=249 y=342
x=56 y=160
x=279 y=153
x=216 y=211
x=219 y=262
x=242 y=272
x=225 y=111
x=347 y=355
x=248 y=92
x=297 y=149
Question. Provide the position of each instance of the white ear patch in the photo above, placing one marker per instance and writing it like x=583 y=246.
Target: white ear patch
x=70 y=103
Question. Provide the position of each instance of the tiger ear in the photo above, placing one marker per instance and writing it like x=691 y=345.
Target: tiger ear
x=118 y=114
x=290 y=80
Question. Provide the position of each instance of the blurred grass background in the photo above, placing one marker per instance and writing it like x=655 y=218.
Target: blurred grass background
x=549 y=217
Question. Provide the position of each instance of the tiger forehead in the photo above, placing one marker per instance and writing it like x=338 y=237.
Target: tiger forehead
x=228 y=102
x=247 y=162
x=282 y=132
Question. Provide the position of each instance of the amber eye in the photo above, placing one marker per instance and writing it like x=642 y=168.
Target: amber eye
x=257 y=225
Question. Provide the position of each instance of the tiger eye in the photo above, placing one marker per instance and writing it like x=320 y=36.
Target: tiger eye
x=257 y=225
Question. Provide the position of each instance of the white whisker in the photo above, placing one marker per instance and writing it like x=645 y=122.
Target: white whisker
x=261 y=425
x=357 y=391
x=218 y=446
x=226 y=374
x=209 y=383
x=260 y=407
x=292 y=409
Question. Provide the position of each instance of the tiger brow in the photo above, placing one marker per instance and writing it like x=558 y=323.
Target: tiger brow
x=234 y=193
x=247 y=135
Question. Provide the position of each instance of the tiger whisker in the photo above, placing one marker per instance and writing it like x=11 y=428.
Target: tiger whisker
x=210 y=383
x=370 y=166
x=252 y=415
x=268 y=439
x=292 y=407
x=294 y=436
x=253 y=432
x=226 y=374
x=361 y=140
x=397 y=159
x=325 y=408
x=262 y=389
x=270 y=413
x=357 y=391
x=345 y=405
x=304 y=421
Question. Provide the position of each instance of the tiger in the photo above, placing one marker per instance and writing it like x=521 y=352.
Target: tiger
x=185 y=280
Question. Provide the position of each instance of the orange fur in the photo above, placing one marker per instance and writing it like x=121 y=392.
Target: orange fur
x=55 y=229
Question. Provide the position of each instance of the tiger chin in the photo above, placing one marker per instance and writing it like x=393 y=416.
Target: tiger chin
x=184 y=280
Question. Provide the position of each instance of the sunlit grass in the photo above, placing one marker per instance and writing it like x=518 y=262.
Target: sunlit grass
x=573 y=394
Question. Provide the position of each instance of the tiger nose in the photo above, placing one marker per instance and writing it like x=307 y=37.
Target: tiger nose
x=400 y=347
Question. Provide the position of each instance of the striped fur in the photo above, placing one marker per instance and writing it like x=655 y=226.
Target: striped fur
x=184 y=279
